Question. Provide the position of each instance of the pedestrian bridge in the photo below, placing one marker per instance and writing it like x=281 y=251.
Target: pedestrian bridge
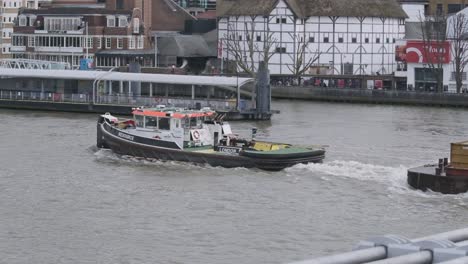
x=33 y=64
x=444 y=248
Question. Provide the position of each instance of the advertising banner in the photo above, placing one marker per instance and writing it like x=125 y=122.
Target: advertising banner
x=420 y=52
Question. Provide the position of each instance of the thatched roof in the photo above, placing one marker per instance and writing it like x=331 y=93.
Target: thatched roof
x=308 y=8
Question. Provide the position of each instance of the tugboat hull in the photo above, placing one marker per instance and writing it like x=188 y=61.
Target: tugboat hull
x=425 y=178
x=109 y=138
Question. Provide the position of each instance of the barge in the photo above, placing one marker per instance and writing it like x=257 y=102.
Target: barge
x=443 y=177
x=197 y=136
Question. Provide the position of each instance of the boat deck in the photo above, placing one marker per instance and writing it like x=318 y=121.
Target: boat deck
x=426 y=169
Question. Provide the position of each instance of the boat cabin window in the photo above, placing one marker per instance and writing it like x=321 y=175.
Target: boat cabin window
x=139 y=121
x=151 y=122
x=193 y=122
x=164 y=123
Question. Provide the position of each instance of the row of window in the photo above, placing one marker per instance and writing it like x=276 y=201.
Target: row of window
x=12 y=4
x=326 y=39
x=121 y=21
x=134 y=42
x=74 y=23
x=353 y=40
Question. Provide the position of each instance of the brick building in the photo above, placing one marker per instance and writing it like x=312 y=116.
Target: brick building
x=112 y=32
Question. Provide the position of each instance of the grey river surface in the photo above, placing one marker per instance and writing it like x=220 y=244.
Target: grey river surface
x=64 y=201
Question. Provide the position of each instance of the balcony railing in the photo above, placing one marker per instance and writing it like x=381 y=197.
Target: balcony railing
x=18 y=48
x=59 y=49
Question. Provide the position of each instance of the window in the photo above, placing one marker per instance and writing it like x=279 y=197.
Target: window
x=377 y=40
x=119 y=4
x=281 y=20
x=61 y=23
x=89 y=43
x=387 y=40
x=239 y=37
x=164 y=123
x=98 y=43
x=366 y=40
x=31 y=41
x=151 y=122
x=280 y=50
x=325 y=39
x=311 y=39
x=123 y=21
x=440 y=9
x=394 y=40
x=110 y=21
x=354 y=40
x=108 y=43
x=131 y=42
x=340 y=40
x=136 y=25
x=22 y=21
x=454 y=8
x=32 y=20
x=139 y=120
x=259 y=38
x=141 y=42
x=120 y=43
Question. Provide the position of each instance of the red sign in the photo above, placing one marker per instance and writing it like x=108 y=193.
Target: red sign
x=421 y=52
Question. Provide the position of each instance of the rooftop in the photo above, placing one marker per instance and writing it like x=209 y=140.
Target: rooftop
x=308 y=8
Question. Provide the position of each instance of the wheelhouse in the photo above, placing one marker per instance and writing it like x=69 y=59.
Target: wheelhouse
x=169 y=119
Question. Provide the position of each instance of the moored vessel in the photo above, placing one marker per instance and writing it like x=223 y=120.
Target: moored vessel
x=198 y=136
x=443 y=177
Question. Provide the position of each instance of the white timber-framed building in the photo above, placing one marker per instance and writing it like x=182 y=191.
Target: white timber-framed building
x=355 y=37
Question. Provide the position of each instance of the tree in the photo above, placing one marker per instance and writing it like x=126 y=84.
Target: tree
x=433 y=30
x=300 y=63
x=457 y=33
x=245 y=52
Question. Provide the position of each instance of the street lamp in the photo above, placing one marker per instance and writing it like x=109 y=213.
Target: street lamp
x=86 y=42
x=97 y=80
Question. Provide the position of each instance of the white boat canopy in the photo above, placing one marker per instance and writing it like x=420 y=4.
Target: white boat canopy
x=125 y=76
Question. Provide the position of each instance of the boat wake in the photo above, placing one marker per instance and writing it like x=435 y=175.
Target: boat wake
x=395 y=178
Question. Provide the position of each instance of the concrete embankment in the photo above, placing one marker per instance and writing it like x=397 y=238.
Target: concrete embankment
x=371 y=96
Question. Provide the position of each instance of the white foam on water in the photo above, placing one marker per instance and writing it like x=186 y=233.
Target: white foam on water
x=355 y=170
x=394 y=177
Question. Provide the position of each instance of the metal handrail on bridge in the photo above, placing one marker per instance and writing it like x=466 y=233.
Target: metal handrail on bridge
x=444 y=248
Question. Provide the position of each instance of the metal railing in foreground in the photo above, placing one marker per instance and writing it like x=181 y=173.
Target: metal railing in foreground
x=445 y=248
x=125 y=100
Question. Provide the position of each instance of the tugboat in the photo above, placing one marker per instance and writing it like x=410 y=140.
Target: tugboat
x=198 y=136
x=444 y=177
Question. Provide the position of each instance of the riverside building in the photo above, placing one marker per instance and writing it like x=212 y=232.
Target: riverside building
x=112 y=33
x=8 y=15
x=350 y=37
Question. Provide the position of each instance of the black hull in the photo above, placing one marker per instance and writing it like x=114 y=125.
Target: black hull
x=126 y=147
x=424 y=178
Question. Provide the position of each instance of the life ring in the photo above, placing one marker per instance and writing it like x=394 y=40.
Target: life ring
x=196 y=134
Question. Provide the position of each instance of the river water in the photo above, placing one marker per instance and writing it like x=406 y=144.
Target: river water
x=64 y=201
